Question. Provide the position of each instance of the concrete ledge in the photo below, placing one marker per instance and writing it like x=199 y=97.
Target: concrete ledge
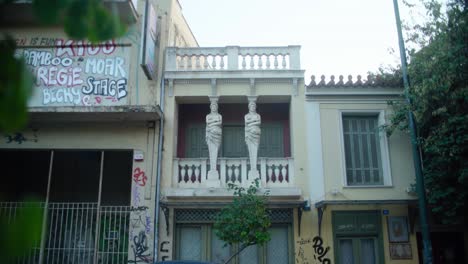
x=224 y=194
x=95 y=113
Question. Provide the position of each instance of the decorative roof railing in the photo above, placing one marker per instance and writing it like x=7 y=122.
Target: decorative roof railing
x=233 y=58
x=371 y=81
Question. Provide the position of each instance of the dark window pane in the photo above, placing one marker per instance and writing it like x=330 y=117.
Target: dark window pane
x=24 y=174
x=117 y=178
x=75 y=176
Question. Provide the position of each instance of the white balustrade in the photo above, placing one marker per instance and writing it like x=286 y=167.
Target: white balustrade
x=233 y=58
x=274 y=172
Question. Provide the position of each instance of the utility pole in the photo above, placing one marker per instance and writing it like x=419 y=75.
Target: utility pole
x=423 y=216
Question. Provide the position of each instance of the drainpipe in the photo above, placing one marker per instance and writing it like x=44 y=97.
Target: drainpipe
x=420 y=189
x=159 y=171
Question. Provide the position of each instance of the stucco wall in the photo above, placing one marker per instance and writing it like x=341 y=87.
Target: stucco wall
x=399 y=149
x=112 y=136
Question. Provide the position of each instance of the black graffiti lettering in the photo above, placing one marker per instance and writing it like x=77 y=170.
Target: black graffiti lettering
x=140 y=249
x=162 y=248
x=304 y=241
x=319 y=251
x=20 y=138
x=138 y=209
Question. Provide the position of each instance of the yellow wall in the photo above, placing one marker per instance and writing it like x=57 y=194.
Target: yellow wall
x=401 y=165
x=394 y=210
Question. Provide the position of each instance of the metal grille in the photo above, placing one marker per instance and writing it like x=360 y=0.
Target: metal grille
x=281 y=215
x=196 y=215
x=113 y=239
x=70 y=233
x=9 y=212
x=209 y=215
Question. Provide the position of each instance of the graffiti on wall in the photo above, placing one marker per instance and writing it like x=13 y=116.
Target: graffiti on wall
x=141 y=253
x=19 y=138
x=139 y=177
x=301 y=257
x=320 y=251
x=140 y=219
x=70 y=73
x=164 y=250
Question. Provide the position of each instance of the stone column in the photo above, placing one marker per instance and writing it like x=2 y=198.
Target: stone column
x=213 y=139
x=252 y=136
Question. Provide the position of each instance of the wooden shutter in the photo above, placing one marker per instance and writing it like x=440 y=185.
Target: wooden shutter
x=234 y=142
x=362 y=150
x=195 y=146
x=271 y=140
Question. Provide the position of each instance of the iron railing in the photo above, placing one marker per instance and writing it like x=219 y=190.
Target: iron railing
x=70 y=233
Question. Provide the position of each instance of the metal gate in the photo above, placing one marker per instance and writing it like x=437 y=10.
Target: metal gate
x=76 y=233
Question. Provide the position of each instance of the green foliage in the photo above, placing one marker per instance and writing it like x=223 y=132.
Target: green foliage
x=438 y=73
x=245 y=221
x=15 y=88
x=20 y=235
x=82 y=19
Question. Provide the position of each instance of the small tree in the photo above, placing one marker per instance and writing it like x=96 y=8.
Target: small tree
x=245 y=222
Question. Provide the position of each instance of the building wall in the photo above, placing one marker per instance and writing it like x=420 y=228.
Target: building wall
x=197 y=91
x=327 y=178
x=108 y=136
x=103 y=134
x=399 y=148
x=394 y=210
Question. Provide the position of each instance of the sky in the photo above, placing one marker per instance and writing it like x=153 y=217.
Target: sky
x=336 y=36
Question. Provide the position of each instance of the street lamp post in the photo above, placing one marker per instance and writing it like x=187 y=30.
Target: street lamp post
x=426 y=239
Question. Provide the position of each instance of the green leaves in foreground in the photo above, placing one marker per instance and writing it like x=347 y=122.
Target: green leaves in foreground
x=245 y=221
x=15 y=88
x=82 y=19
x=20 y=230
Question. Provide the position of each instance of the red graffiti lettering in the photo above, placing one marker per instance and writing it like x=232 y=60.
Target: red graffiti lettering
x=139 y=177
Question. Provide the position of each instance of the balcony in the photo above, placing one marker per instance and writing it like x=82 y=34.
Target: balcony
x=233 y=62
x=192 y=172
x=190 y=178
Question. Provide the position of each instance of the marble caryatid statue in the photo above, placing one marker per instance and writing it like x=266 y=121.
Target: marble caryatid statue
x=213 y=136
x=252 y=137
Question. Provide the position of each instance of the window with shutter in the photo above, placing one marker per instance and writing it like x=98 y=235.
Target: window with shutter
x=233 y=142
x=271 y=140
x=358 y=237
x=195 y=141
x=362 y=150
x=199 y=242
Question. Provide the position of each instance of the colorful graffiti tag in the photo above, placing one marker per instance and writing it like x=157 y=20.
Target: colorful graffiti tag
x=77 y=73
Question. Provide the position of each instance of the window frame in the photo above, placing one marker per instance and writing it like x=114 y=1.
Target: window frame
x=357 y=235
x=202 y=150
x=383 y=143
x=207 y=230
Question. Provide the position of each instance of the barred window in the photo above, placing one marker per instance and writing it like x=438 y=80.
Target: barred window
x=362 y=150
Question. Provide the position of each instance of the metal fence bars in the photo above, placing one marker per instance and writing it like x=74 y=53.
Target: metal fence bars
x=70 y=233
